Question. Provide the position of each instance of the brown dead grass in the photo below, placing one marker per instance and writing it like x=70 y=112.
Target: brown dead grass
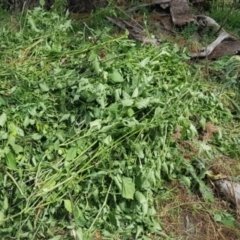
x=188 y=217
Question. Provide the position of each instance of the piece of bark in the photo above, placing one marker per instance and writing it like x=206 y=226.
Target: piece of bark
x=225 y=48
x=180 y=12
x=230 y=191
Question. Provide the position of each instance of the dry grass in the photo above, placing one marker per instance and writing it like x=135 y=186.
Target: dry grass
x=188 y=217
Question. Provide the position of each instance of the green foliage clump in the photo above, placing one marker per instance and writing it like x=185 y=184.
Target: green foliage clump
x=86 y=129
x=227 y=15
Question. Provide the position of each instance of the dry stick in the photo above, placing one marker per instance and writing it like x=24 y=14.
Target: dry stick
x=101 y=209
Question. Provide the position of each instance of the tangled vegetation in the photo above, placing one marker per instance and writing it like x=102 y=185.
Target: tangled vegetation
x=88 y=127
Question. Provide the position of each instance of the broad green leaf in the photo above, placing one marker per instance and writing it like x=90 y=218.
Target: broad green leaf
x=44 y=87
x=135 y=93
x=143 y=103
x=145 y=208
x=186 y=181
x=32 y=24
x=2 y=101
x=96 y=65
x=117 y=179
x=3 y=119
x=116 y=76
x=71 y=153
x=193 y=130
x=3 y=135
x=79 y=234
x=203 y=123
x=2 y=217
x=96 y=124
x=228 y=220
x=20 y=132
x=118 y=93
x=29 y=225
x=36 y=136
x=108 y=140
x=79 y=217
x=11 y=140
x=130 y=112
x=140 y=197
x=58 y=237
x=144 y=62
x=139 y=231
x=127 y=102
x=26 y=122
x=157 y=226
x=128 y=188
x=68 y=24
x=68 y=205
x=49 y=186
x=10 y=160
x=5 y=203
x=165 y=167
x=206 y=192
x=217 y=217
x=17 y=148
x=65 y=117
x=42 y=3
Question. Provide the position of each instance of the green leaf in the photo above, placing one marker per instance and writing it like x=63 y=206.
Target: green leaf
x=58 y=237
x=71 y=154
x=42 y=3
x=96 y=65
x=32 y=24
x=20 y=132
x=118 y=181
x=36 y=136
x=228 y=220
x=79 y=233
x=17 y=148
x=140 y=197
x=143 y=103
x=203 y=123
x=44 y=87
x=79 y=217
x=68 y=205
x=128 y=188
x=135 y=93
x=127 y=102
x=65 y=117
x=11 y=140
x=144 y=62
x=116 y=77
x=186 y=181
x=2 y=217
x=130 y=112
x=217 y=217
x=2 y=101
x=3 y=135
x=10 y=160
x=5 y=203
x=193 y=130
x=3 y=119
x=206 y=192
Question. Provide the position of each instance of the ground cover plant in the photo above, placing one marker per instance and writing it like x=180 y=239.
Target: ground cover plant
x=92 y=126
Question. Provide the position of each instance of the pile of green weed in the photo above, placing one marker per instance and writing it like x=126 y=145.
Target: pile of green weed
x=86 y=130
